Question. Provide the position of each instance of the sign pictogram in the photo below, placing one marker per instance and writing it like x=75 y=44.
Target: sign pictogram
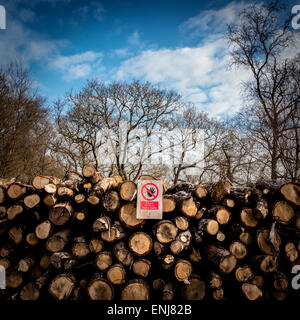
x=149 y=200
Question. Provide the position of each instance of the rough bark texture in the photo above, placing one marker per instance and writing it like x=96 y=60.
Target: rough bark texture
x=215 y=242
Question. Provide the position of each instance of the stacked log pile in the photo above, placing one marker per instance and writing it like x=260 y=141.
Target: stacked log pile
x=79 y=239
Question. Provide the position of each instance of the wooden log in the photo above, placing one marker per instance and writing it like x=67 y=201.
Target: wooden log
x=116 y=274
x=6 y=250
x=50 y=188
x=135 y=290
x=166 y=231
x=16 y=191
x=280 y=281
x=15 y=234
x=96 y=245
x=283 y=211
x=264 y=241
x=181 y=223
x=243 y=274
x=168 y=292
x=102 y=224
x=43 y=230
x=221 y=258
x=79 y=198
x=262 y=205
x=238 y=249
x=2 y=194
x=220 y=236
x=114 y=233
x=45 y=262
x=209 y=226
x=103 y=260
x=25 y=264
x=98 y=176
x=297 y=219
x=140 y=243
x=258 y=280
x=111 y=201
x=123 y=255
x=63 y=191
x=218 y=294
x=88 y=171
x=5 y=263
x=251 y=291
x=200 y=213
x=159 y=249
x=61 y=286
x=32 y=239
x=49 y=200
x=291 y=251
x=291 y=193
x=194 y=290
x=58 y=241
x=200 y=192
x=3 y=214
x=169 y=203
x=188 y=207
x=58 y=259
x=267 y=263
x=39 y=182
x=128 y=190
x=141 y=267
x=60 y=213
x=127 y=216
x=167 y=261
x=215 y=281
x=195 y=255
x=220 y=190
x=29 y=292
x=93 y=200
x=79 y=216
x=80 y=248
x=105 y=184
x=158 y=284
x=32 y=200
x=228 y=202
x=13 y=279
x=248 y=218
x=100 y=289
x=176 y=247
x=13 y=211
x=182 y=270
x=243 y=234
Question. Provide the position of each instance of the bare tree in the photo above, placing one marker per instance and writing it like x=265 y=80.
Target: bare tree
x=259 y=42
x=110 y=125
x=24 y=127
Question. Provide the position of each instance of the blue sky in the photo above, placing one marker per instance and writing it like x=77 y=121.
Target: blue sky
x=176 y=44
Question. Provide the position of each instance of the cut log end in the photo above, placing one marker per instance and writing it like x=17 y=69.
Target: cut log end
x=136 y=290
x=251 y=291
x=140 y=243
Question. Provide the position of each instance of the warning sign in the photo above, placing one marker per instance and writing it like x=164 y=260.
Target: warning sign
x=149 y=200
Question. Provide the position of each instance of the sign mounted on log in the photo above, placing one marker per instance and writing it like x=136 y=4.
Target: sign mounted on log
x=149 y=200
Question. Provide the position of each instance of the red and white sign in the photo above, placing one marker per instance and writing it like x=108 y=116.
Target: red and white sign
x=149 y=200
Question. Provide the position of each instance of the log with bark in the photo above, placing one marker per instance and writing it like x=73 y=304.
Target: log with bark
x=80 y=239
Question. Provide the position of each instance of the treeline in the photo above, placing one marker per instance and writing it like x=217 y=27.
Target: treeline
x=127 y=129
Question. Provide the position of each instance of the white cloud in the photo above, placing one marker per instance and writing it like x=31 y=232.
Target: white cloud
x=135 y=40
x=200 y=74
x=78 y=65
x=212 y=21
